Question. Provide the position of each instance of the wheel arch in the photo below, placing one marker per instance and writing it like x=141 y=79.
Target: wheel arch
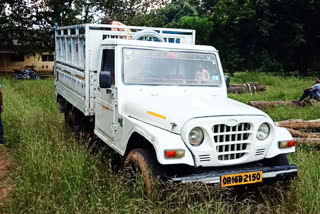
x=147 y=136
x=138 y=140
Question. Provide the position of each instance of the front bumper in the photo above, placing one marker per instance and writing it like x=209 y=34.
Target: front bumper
x=212 y=176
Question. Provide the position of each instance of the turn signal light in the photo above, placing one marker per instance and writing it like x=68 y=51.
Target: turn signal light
x=174 y=153
x=286 y=144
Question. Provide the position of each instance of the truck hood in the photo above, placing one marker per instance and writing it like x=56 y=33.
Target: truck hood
x=171 y=113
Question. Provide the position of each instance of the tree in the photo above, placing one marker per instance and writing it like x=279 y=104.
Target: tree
x=31 y=23
x=5 y=26
x=18 y=24
x=128 y=11
x=171 y=14
x=274 y=34
x=201 y=25
x=234 y=33
x=301 y=17
x=281 y=35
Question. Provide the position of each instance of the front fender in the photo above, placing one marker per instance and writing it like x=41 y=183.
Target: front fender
x=282 y=134
x=162 y=140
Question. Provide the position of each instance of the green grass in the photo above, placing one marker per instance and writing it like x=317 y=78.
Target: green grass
x=278 y=88
x=56 y=174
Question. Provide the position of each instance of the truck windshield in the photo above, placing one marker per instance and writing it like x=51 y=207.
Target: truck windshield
x=161 y=67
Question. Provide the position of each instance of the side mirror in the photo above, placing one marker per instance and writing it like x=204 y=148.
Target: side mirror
x=105 y=79
x=227 y=79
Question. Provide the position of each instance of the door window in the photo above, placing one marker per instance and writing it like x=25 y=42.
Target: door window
x=108 y=62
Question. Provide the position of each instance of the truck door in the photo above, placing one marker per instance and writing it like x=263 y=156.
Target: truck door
x=105 y=113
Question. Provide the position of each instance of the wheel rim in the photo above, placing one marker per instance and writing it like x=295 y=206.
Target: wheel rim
x=136 y=170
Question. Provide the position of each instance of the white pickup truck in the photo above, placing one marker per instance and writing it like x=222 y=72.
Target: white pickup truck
x=161 y=102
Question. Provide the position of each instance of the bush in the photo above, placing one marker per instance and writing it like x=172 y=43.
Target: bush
x=270 y=64
x=231 y=61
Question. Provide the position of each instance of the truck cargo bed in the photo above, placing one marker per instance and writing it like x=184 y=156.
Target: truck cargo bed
x=77 y=54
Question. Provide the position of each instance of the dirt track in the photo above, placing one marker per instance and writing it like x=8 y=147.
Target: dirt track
x=5 y=162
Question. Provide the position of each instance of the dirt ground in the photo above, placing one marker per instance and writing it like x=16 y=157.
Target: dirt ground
x=5 y=163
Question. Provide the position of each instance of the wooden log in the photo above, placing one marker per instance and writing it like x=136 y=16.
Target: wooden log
x=268 y=104
x=251 y=87
x=246 y=88
x=309 y=141
x=300 y=124
x=236 y=90
x=298 y=120
x=246 y=84
x=271 y=104
x=251 y=83
x=301 y=134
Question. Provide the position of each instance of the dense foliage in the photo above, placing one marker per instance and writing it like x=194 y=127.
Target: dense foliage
x=272 y=36
x=27 y=26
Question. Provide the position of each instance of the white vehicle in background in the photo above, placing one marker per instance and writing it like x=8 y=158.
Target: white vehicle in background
x=161 y=102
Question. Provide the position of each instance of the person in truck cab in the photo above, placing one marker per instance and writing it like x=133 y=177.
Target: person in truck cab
x=202 y=74
x=313 y=92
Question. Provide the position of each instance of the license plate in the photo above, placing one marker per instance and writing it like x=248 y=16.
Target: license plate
x=241 y=179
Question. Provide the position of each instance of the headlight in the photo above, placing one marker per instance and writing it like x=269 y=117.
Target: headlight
x=263 y=131
x=196 y=136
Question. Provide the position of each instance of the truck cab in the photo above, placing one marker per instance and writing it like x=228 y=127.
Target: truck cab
x=164 y=107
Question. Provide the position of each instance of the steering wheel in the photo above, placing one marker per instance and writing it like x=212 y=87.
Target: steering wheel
x=148 y=33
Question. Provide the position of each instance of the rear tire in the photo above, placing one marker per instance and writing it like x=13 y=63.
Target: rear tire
x=141 y=163
x=75 y=120
x=68 y=120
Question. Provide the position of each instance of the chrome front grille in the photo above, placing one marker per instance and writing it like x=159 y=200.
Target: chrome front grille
x=231 y=141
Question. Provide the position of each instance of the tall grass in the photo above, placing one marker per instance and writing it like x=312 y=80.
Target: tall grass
x=56 y=174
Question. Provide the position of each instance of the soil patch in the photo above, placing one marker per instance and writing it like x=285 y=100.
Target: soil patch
x=6 y=162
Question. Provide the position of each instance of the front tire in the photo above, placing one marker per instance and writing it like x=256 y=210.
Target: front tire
x=141 y=163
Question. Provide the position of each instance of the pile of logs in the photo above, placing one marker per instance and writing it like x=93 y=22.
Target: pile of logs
x=251 y=87
x=303 y=131
x=271 y=104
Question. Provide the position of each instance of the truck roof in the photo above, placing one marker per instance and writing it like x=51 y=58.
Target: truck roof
x=152 y=44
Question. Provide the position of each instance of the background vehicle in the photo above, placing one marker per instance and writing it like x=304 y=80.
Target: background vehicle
x=164 y=106
x=28 y=73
